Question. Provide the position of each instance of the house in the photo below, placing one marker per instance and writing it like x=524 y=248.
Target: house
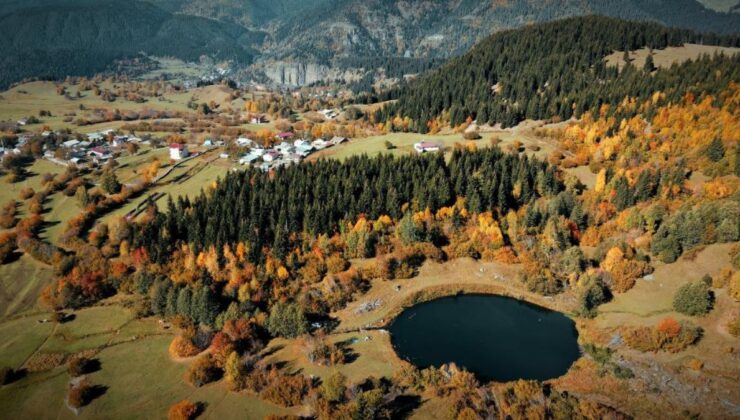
x=223 y=156
x=258 y=119
x=100 y=152
x=285 y=136
x=71 y=143
x=84 y=144
x=248 y=159
x=293 y=158
x=319 y=144
x=95 y=137
x=285 y=148
x=271 y=156
x=178 y=151
x=120 y=141
x=244 y=142
x=208 y=143
x=426 y=146
x=22 y=121
x=336 y=140
x=304 y=149
x=329 y=114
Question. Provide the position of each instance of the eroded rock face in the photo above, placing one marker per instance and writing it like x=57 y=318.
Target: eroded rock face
x=301 y=73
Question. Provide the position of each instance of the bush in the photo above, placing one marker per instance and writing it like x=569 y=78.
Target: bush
x=669 y=335
x=202 y=372
x=8 y=375
x=183 y=410
x=81 y=394
x=693 y=299
x=78 y=366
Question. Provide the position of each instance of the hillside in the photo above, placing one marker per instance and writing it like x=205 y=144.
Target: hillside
x=296 y=42
x=532 y=73
x=52 y=39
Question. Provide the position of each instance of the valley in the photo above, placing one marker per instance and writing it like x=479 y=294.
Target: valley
x=244 y=215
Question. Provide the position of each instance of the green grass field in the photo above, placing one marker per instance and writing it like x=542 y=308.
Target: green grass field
x=20 y=284
x=404 y=143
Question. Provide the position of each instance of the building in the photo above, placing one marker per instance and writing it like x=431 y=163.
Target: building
x=178 y=151
x=71 y=143
x=244 y=142
x=248 y=158
x=271 y=156
x=426 y=146
x=336 y=140
x=285 y=136
x=258 y=119
x=319 y=144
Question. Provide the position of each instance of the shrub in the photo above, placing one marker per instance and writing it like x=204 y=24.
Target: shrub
x=202 y=371
x=668 y=335
x=183 y=410
x=183 y=347
x=334 y=386
x=80 y=394
x=389 y=145
x=693 y=299
x=78 y=366
x=734 y=326
x=7 y=375
x=287 y=391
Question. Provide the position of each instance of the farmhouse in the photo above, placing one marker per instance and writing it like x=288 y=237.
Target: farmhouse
x=426 y=146
x=178 y=151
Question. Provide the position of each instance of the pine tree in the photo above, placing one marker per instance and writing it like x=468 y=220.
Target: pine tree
x=649 y=66
x=109 y=182
x=716 y=150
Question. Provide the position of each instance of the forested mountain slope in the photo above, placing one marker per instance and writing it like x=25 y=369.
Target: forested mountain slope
x=423 y=28
x=45 y=38
x=556 y=69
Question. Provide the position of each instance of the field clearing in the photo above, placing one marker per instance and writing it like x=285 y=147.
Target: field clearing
x=140 y=381
x=28 y=99
x=666 y=57
x=655 y=297
x=21 y=283
x=372 y=357
x=190 y=187
x=404 y=143
x=22 y=338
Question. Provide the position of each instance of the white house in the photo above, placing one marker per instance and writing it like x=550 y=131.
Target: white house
x=426 y=146
x=243 y=141
x=178 y=151
x=304 y=149
x=248 y=159
x=71 y=143
x=271 y=156
x=319 y=144
x=120 y=141
x=95 y=137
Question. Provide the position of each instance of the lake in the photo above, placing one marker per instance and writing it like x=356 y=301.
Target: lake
x=495 y=337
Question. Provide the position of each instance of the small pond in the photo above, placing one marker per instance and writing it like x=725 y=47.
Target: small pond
x=495 y=337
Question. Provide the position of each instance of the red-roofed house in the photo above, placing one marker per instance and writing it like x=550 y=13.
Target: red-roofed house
x=178 y=151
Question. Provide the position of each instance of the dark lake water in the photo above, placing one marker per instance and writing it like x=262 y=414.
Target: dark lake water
x=495 y=337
